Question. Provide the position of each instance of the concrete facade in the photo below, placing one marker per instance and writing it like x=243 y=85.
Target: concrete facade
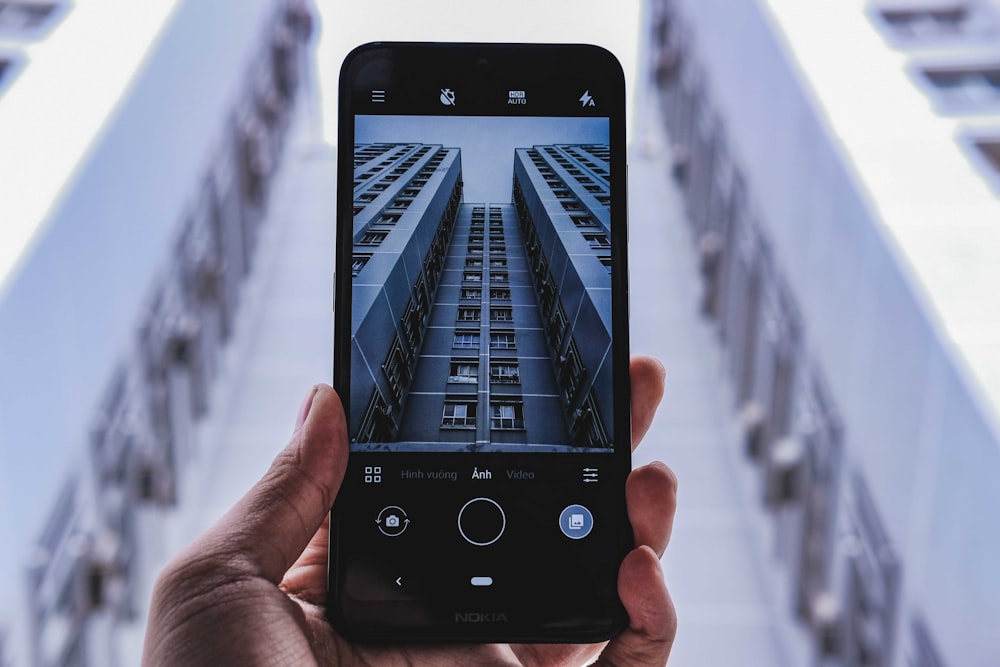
x=130 y=442
x=869 y=426
x=472 y=324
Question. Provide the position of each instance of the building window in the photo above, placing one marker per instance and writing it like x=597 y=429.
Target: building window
x=376 y=424
x=359 y=263
x=464 y=371
x=501 y=314
x=5 y=67
x=466 y=314
x=919 y=23
x=469 y=293
x=499 y=277
x=596 y=240
x=459 y=414
x=474 y=263
x=373 y=238
x=396 y=371
x=476 y=250
x=506 y=415
x=504 y=373
x=472 y=277
x=500 y=294
x=571 y=372
x=587 y=429
x=24 y=16
x=556 y=326
x=583 y=220
x=389 y=219
x=467 y=339
x=966 y=86
x=502 y=340
x=988 y=149
x=498 y=262
x=606 y=263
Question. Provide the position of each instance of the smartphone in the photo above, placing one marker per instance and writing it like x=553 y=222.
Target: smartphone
x=481 y=344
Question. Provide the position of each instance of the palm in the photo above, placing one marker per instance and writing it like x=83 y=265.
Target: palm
x=305 y=583
x=219 y=603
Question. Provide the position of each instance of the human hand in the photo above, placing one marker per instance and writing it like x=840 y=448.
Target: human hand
x=251 y=590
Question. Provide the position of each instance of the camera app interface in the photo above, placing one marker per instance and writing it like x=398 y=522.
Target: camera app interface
x=481 y=299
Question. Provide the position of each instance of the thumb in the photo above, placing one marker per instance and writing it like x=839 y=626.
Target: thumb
x=652 y=619
x=265 y=532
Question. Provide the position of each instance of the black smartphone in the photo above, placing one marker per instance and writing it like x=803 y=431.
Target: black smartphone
x=481 y=344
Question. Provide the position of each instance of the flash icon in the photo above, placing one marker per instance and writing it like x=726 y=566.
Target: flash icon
x=586 y=100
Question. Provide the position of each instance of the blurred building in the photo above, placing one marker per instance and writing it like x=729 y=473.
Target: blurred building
x=838 y=170
x=145 y=251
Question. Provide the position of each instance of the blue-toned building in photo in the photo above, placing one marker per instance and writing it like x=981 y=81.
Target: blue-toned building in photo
x=463 y=336
x=406 y=198
x=563 y=199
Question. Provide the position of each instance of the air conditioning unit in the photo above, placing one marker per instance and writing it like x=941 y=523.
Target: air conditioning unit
x=785 y=472
x=752 y=424
x=826 y=624
x=679 y=165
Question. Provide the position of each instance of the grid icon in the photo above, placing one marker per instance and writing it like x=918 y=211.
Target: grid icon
x=373 y=474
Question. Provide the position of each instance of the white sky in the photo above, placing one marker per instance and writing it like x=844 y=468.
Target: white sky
x=487 y=143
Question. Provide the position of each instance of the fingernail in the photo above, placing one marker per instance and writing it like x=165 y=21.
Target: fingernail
x=306 y=406
x=662 y=369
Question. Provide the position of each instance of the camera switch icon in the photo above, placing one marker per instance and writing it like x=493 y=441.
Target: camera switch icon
x=392 y=521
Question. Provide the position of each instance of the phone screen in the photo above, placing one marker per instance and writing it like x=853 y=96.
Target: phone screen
x=481 y=343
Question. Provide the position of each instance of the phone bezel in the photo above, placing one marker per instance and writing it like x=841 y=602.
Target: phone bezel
x=472 y=62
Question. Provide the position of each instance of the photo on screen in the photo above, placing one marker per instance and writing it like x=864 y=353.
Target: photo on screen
x=481 y=297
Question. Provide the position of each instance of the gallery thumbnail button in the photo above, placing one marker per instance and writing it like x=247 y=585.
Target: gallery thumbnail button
x=576 y=522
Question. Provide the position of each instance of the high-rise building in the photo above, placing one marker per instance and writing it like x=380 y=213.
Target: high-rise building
x=563 y=200
x=406 y=201
x=848 y=249
x=158 y=225
x=505 y=318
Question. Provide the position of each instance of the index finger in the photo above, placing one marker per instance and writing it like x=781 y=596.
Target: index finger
x=647 y=390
